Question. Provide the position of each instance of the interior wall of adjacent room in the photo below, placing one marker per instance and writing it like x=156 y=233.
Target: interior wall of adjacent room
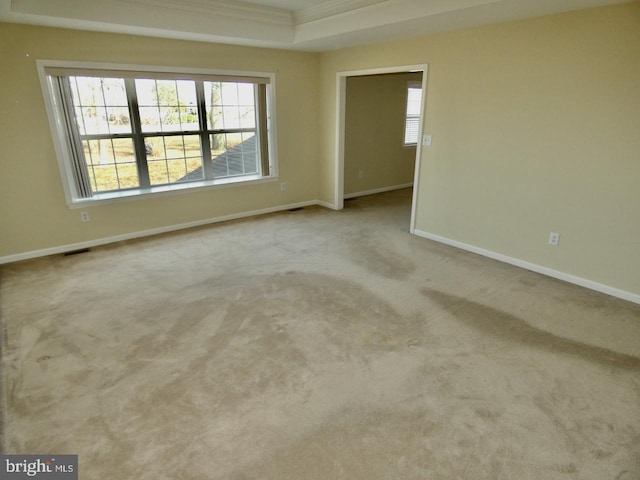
x=374 y=153
x=32 y=207
x=535 y=129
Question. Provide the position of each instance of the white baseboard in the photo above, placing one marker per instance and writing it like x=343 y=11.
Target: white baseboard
x=326 y=205
x=145 y=233
x=583 y=282
x=378 y=190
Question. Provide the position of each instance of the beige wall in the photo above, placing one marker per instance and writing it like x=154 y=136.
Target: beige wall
x=33 y=213
x=536 y=128
x=374 y=132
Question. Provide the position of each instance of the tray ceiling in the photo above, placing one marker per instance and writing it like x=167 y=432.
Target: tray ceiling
x=312 y=25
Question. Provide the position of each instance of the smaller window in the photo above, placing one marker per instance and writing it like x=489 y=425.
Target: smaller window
x=412 y=121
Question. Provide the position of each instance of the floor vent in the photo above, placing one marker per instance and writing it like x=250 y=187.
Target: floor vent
x=296 y=209
x=76 y=252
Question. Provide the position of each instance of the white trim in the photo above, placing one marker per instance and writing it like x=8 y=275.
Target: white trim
x=330 y=25
x=583 y=282
x=378 y=190
x=326 y=205
x=145 y=233
x=217 y=8
x=383 y=70
x=549 y=272
x=44 y=63
x=272 y=125
x=168 y=190
x=56 y=127
x=328 y=9
x=341 y=109
x=416 y=170
x=341 y=101
x=210 y=9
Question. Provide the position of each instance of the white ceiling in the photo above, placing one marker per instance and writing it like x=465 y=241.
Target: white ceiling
x=312 y=25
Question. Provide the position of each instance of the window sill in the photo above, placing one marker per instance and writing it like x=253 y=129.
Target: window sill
x=167 y=190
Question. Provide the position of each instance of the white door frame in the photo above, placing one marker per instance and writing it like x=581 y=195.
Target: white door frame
x=341 y=101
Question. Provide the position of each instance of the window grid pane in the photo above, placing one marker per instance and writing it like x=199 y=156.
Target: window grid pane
x=111 y=164
x=100 y=105
x=230 y=106
x=172 y=159
x=234 y=154
x=167 y=105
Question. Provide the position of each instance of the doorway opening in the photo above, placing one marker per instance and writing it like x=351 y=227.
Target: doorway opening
x=353 y=177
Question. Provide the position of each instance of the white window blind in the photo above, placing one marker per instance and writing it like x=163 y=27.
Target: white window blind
x=412 y=123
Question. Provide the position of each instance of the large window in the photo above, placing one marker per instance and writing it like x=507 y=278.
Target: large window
x=129 y=132
x=412 y=119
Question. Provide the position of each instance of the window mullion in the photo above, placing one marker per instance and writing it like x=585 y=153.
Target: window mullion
x=136 y=130
x=205 y=144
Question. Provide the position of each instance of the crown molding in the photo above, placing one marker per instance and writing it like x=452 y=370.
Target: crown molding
x=222 y=8
x=329 y=9
x=331 y=24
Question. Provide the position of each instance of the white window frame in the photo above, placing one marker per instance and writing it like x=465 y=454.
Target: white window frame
x=62 y=144
x=414 y=118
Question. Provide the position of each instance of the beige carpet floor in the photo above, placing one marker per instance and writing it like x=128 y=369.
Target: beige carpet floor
x=316 y=345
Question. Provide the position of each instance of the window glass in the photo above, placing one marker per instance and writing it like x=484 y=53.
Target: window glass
x=412 y=123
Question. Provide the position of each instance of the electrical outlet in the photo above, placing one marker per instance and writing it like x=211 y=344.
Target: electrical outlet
x=84 y=216
x=554 y=239
x=283 y=187
x=426 y=140
x=360 y=175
